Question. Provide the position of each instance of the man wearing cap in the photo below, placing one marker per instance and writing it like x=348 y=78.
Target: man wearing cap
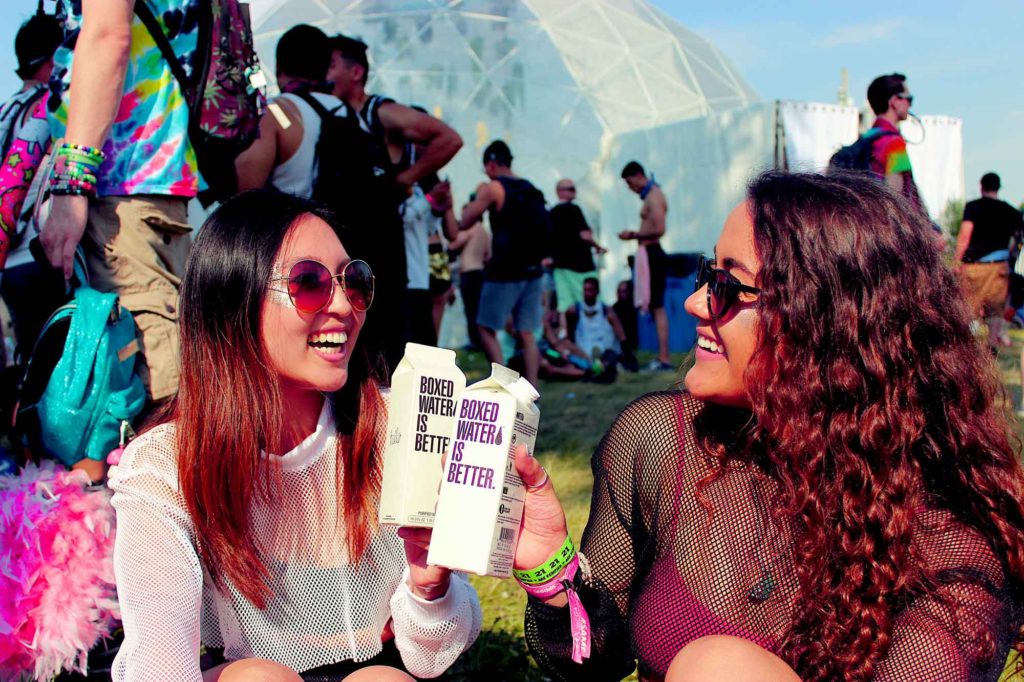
x=512 y=277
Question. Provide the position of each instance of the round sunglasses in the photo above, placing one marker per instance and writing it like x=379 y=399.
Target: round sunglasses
x=311 y=285
x=723 y=289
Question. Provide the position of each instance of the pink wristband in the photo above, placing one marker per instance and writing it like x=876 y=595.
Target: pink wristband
x=578 y=619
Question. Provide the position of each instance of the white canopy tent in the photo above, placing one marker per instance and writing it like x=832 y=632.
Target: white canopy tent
x=704 y=164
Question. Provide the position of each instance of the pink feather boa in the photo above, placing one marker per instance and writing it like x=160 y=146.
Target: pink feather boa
x=56 y=571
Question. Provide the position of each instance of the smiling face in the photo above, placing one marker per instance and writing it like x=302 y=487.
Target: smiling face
x=309 y=352
x=725 y=345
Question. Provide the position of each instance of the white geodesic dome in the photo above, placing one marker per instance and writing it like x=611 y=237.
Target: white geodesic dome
x=556 y=79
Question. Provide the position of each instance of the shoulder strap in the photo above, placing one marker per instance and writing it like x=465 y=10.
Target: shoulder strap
x=322 y=111
x=370 y=114
x=148 y=19
x=879 y=135
x=313 y=102
x=18 y=112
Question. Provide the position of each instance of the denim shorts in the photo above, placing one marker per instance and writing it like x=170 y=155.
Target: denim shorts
x=520 y=298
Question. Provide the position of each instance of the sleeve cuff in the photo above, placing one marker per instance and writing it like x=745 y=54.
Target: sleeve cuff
x=438 y=609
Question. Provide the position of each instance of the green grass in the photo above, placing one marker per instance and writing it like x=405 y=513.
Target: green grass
x=574 y=416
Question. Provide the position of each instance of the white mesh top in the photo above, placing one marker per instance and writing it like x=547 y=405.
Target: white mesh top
x=324 y=609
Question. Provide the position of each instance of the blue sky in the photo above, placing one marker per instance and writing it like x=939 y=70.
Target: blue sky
x=962 y=59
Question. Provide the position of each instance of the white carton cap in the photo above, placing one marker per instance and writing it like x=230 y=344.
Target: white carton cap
x=523 y=390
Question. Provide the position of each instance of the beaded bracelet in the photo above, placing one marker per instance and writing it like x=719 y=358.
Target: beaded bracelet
x=75 y=169
x=95 y=152
x=550 y=569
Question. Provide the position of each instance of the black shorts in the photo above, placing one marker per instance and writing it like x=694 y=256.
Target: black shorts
x=388 y=656
x=658 y=263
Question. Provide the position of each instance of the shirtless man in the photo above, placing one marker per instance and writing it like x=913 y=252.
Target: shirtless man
x=652 y=227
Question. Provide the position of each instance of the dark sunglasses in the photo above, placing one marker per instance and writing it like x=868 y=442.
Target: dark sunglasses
x=311 y=285
x=723 y=289
x=908 y=98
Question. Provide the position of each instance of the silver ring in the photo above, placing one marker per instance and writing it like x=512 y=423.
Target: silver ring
x=542 y=481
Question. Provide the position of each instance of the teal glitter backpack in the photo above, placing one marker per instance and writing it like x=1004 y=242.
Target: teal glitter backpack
x=93 y=389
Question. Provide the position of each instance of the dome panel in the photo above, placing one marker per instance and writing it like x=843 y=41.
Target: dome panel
x=555 y=78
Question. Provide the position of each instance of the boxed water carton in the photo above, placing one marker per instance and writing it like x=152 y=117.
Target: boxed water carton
x=480 y=506
x=424 y=390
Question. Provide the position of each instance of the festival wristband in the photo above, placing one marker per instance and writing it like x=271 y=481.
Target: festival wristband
x=550 y=569
x=579 y=621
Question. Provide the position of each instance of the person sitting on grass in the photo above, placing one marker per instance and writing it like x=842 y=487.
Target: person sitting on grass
x=596 y=330
x=247 y=517
x=834 y=496
x=558 y=362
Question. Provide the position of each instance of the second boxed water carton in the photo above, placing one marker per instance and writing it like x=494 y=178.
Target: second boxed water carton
x=480 y=507
x=424 y=391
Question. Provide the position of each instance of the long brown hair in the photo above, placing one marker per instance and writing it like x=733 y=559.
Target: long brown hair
x=871 y=402
x=229 y=407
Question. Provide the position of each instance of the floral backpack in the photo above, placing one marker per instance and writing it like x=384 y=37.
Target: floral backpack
x=223 y=88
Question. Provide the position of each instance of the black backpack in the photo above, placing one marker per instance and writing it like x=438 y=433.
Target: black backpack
x=857 y=156
x=353 y=168
x=356 y=178
x=522 y=236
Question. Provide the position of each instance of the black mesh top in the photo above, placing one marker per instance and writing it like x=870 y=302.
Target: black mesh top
x=663 y=572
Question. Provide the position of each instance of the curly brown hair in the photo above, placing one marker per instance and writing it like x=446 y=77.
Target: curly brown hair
x=872 y=402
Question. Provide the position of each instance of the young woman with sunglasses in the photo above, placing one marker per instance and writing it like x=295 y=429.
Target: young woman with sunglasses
x=247 y=517
x=834 y=496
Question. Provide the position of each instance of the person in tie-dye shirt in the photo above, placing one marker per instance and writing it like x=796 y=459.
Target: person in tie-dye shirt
x=890 y=99
x=116 y=92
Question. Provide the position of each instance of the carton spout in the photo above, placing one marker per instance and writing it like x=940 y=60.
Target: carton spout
x=503 y=375
x=524 y=391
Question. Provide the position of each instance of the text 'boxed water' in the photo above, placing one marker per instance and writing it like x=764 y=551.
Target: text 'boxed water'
x=481 y=503
x=424 y=390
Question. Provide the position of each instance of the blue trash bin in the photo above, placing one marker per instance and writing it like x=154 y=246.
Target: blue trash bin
x=682 y=328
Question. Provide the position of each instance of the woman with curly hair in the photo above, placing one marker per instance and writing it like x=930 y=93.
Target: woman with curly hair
x=835 y=495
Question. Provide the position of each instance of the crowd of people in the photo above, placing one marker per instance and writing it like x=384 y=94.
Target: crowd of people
x=836 y=494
